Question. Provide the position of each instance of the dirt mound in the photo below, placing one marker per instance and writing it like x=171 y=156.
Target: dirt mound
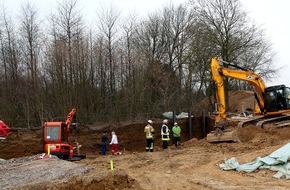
x=265 y=137
x=118 y=179
x=241 y=100
x=21 y=143
x=238 y=101
x=53 y=173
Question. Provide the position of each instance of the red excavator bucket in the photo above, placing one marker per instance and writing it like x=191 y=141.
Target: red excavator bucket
x=4 y=129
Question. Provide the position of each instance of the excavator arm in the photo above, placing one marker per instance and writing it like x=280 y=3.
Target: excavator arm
x=219 y=72
x=70 y=121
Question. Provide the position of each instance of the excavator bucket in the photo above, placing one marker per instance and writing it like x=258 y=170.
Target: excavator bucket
x=222 y=136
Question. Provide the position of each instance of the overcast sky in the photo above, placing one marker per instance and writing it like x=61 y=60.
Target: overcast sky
x=271 y=15
x=274 y=17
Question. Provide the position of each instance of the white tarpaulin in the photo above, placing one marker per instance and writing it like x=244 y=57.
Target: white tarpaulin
x=169 y=115
x=277 y=161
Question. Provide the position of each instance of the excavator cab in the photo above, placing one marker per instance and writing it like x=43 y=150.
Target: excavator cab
x=277 y=98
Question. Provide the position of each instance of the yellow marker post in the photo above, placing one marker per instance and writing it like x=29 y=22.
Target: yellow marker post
x=48 y=150
x=112 y=165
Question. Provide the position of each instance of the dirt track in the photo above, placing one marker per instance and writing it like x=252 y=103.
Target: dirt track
x=194 y=166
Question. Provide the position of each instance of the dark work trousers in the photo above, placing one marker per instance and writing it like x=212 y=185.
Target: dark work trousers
x=104 y=148
x=165 y=144
x=149 y=145
x=176 y=141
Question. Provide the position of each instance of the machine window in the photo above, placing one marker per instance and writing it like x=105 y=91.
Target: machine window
x=287 y=95
x=52 y=132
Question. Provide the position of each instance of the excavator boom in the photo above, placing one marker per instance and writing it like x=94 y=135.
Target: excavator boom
x=70 y=121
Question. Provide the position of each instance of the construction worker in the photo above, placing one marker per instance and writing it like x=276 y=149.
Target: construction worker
x=104 y=143
x=77 y=148
x=149 y=131
x=114 y=143
x=176 y=134
x=165 y=134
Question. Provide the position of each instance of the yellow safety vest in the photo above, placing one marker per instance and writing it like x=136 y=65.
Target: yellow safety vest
x=165 y=134
x=149 y=130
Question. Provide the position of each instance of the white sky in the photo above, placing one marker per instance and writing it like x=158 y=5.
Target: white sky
x=272 y=15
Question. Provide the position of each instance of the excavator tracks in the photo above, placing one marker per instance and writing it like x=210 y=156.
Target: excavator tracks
x=261 y=121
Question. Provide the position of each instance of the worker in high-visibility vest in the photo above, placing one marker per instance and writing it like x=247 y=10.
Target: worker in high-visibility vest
x=149 y=131
x=176 y=134
x=165 y=134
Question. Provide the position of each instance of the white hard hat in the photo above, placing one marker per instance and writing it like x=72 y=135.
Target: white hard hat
x=175 y=123
x=165 y=121
x=150 y=121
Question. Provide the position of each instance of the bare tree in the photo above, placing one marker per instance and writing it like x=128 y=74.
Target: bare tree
x=30 y=50
x=177 y=22
x=128 y=57
x=151 y=45
x=108 y=27
x=67 y=29
x=200 y=51
x=140 y=69
x=11 y=82
x=231 y=33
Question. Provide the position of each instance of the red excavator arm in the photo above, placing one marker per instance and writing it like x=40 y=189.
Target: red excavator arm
x=4 y=129
x=69 y=121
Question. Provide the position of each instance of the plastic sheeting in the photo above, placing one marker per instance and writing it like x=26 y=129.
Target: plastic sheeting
x=169 y=115
x=276 y=161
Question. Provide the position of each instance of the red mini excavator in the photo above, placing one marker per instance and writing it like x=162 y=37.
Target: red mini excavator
x=56 y=137
x=4 y=130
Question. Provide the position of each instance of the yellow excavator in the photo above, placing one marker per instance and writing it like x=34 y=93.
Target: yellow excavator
x=271 y=101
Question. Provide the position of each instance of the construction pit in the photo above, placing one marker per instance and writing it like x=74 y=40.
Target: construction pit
x=195 y=165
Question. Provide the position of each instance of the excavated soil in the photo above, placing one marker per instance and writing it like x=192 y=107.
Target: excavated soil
x=193 y=166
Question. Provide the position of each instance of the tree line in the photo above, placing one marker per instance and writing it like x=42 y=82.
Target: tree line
x=122 y=67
